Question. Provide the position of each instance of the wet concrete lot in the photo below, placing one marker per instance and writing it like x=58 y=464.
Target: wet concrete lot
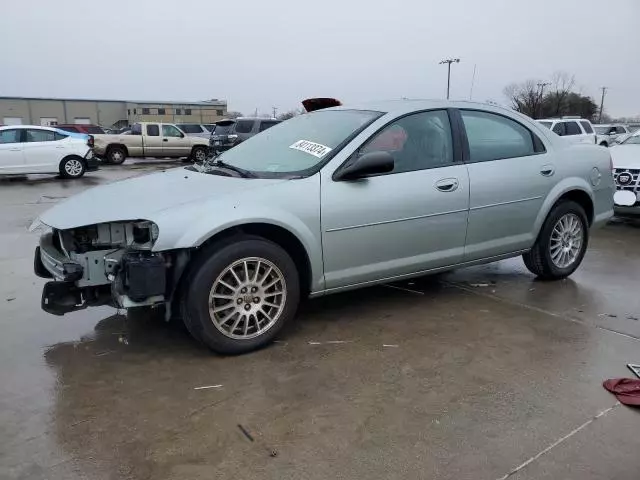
x=483 y=373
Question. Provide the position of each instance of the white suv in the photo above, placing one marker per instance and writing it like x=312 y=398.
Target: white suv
x=610 y=134
x=575 y=129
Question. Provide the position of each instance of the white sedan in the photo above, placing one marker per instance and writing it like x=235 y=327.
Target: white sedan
x=33 y=149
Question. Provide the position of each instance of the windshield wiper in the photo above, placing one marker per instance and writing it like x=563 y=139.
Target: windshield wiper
x=240 y=171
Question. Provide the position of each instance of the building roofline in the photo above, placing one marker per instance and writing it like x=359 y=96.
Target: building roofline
x=163 y=102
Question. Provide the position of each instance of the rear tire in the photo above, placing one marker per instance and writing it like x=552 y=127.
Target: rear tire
x=116 y=155
x=561 y=244
x=604 y=144
x=241 y=295
x=72 y=167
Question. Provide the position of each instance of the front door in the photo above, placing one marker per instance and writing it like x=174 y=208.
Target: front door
x=174 y=142
x=152 y=141
x=511 y=174
x=409 y=220
x=11 y=156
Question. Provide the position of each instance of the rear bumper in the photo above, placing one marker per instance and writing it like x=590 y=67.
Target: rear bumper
x=92 y=163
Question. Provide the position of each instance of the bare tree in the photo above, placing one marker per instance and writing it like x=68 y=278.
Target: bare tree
x=290 y=114
x=234 y=114
x=525 y=97
x=561 y=86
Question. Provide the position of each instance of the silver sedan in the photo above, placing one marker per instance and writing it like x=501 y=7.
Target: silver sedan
x=334 y=199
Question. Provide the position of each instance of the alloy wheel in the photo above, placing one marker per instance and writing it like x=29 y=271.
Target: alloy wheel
x=566 y=240
x=247 y=298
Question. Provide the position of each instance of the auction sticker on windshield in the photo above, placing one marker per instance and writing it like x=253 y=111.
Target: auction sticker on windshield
x=315 y=149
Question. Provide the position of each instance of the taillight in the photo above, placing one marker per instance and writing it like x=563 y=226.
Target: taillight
x=611 y=163
x=90 y=141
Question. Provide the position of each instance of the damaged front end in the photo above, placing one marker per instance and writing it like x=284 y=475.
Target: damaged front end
x=104 y=264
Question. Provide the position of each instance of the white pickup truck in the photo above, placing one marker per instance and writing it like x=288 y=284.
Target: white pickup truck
x=150 y=140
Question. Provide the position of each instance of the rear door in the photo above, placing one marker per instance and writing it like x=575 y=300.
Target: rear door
x=510 y=174
x=42 y=150
x=11 y=154
x=152 y=141
x=244 y=128
x=174 y=142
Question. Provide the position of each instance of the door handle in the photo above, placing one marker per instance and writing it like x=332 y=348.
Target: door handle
x=165 y=139
x=15 y=149
x=547 y=170
x=447 y=184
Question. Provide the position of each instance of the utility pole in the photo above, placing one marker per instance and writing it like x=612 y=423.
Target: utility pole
x=541 y=86
x=604 y=90
x=473 y=80
x=275 y=110
x=449 y=61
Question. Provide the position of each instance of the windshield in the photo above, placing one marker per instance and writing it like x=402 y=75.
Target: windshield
x=300 y=144
x=602 y=129
x=632 y=140
x=546 y=124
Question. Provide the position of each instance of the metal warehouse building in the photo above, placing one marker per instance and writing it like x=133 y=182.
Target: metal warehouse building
x=106 y=113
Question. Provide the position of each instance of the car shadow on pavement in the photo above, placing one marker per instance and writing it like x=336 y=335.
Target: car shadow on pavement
x=42 y=180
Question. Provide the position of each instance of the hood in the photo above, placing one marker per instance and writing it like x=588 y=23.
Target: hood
x=144 y=197
x=625 y=156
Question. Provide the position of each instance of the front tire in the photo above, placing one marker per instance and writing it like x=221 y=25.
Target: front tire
x=72 y=167
x=241 y=295
x=199 y=154
x=561 y=244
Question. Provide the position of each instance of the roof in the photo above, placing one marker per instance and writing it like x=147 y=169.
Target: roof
x=214 y=102
x=411 y=105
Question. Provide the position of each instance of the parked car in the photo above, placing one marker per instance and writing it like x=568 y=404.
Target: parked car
x=28 y=149
x=626 y=164
x=574 y=129
x=194 y=129
x=151 y=140
x=608 y=134
x=81 y=128
x=229 y=133
x=318 y=206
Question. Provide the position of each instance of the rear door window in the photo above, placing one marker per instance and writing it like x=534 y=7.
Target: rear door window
x=572 y=128
x=153 y=130
x=587 y=127
x=559 y=129
x=495 y=137
x=36 y=135
x=223 y=129
x=244 y=126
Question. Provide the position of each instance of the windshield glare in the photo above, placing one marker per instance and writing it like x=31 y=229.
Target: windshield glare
x=298 y=144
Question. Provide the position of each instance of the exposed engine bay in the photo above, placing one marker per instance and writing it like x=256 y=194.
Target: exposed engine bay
x=104 y=264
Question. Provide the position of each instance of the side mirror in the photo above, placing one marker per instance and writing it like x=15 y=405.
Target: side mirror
x=368 y=164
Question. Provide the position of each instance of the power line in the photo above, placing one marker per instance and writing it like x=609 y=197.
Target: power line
x=449 y=61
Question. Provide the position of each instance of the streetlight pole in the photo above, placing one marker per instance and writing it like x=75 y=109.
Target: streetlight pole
x=449 y=61
x=541 y=86
x=604 y=90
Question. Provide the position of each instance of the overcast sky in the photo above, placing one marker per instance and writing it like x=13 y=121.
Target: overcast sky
x=260 y=54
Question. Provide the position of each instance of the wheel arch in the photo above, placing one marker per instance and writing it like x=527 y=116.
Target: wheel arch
x=119 y=145
x=574 y=189
x=281 y=236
